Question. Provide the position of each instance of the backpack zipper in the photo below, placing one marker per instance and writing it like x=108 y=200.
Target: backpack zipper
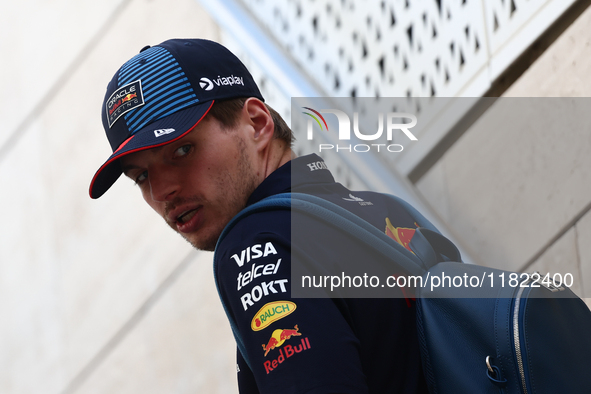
x=516 y=330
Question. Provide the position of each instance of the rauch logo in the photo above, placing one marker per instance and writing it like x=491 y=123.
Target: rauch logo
x=392 y=124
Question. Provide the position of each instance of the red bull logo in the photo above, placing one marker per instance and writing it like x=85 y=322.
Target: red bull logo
x=128 y=97
x=122 y=101
x=278 y=337
x=286 y=351
x=115 y=106
x=399 y=234
x=403 y=236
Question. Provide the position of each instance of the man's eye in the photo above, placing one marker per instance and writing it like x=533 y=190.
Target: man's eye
x=141 y=177
x=182 y=151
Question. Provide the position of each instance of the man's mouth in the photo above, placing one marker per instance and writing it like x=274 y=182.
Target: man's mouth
x=186 y=216
x=189 y=220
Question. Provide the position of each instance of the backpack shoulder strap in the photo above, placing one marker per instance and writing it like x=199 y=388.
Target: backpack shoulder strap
x=359 y=228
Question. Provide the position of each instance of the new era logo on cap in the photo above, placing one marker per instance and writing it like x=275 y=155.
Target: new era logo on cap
x=161 y=132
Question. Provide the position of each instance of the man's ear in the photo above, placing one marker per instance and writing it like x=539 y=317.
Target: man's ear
x=261 y=121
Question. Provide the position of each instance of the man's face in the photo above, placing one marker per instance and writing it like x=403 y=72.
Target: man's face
x=197 y=183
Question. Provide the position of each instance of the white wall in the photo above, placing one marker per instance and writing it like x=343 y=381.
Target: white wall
x=95 y=296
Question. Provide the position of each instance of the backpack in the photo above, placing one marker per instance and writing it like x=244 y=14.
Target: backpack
x=509 y=333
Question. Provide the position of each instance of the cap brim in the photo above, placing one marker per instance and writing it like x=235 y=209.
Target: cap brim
x=158 y=133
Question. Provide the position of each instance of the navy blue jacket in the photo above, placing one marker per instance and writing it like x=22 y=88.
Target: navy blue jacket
x=315 y=345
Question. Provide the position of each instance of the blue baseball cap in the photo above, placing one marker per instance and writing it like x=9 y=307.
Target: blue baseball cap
x=162 y=93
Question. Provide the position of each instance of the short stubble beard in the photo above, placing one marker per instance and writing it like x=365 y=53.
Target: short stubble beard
x=238 y=188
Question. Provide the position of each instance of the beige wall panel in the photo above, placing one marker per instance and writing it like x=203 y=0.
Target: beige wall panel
x=31 y=336
x=517 y=178
x=528 y=207
x=39 y=41
x=183 y=345
x=73 y=270
x=433 y=185
x=564 y=69
x=561 y=258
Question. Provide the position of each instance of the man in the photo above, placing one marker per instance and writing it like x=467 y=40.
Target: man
x=187 y=123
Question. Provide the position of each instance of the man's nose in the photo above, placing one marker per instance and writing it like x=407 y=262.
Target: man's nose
x=163 y=185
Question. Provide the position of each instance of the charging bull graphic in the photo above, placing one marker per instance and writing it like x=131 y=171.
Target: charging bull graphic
x=278 y=337
x=399 y=234
x=403 y=236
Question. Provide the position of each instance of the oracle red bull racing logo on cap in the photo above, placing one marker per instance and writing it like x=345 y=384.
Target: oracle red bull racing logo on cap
x=277 y=339
x=124 y=100
x=270 y=313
